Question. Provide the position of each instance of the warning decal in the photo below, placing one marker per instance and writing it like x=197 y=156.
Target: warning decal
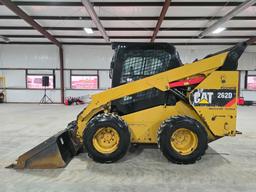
x=213 y=97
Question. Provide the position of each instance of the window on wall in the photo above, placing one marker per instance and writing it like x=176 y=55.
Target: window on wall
x=84 y=82
x=36 y=82
x=251 y=82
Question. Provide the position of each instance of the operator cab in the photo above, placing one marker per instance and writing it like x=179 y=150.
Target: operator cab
x=134 y=61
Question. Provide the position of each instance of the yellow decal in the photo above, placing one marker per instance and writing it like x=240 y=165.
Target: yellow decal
x=203 y=101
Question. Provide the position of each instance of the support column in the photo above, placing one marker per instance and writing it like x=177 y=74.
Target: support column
x=62 y=88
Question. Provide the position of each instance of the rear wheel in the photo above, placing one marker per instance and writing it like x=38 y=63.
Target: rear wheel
x=106 y=138
x=182 y=140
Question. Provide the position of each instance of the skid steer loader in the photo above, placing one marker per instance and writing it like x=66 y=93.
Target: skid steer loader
x=154 y=99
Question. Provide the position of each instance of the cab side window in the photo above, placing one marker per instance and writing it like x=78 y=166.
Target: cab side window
x=139 y=64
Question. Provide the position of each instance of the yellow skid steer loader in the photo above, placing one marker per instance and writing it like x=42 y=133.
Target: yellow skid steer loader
x=154 y=99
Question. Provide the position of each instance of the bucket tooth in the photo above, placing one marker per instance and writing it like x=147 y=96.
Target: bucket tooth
x=55 y=152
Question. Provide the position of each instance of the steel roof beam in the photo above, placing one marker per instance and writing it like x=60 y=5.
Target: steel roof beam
x=126 y=37
x=89 y=7
x=125 y=28
x=161 y=18
x=108 y=44
x=131 y=18
x=129 y=3
x=227 y=17
x=19 y=12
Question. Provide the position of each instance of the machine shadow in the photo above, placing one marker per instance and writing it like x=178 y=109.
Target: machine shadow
x=150 y=160
x=142 y=160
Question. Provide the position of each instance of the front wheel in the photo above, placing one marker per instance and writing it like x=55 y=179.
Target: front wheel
x=182 y=140
x=106 y=138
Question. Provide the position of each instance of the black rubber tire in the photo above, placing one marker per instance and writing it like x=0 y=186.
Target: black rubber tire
x=71 y=127
x=167 y=129
x=107 y=120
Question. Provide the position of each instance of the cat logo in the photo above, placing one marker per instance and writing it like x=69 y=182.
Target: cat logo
x=201 y=97
x=212 y=97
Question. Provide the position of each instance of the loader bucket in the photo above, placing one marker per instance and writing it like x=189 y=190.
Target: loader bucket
x=55 y=152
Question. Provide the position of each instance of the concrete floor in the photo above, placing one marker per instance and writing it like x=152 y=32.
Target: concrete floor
x=228 y=165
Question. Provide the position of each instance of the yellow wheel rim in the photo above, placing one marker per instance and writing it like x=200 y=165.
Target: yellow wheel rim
x=106 y=140
x=184 y=141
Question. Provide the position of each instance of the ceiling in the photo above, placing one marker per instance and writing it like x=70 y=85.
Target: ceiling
x=127 y=21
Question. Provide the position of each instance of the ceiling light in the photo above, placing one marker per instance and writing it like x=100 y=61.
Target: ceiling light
x=88 y=30
x=218 y=30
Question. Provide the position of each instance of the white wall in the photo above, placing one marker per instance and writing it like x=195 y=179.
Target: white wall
x=46 y=56
x=83 y=57
x=29 y=56
x=87 y=57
